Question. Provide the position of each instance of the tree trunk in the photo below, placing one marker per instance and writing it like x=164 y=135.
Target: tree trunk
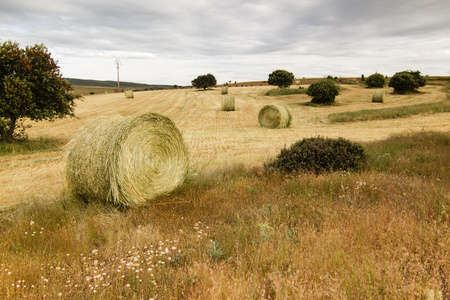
x=7 y=133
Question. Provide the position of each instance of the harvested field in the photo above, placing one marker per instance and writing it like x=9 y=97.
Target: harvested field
x=216 y=139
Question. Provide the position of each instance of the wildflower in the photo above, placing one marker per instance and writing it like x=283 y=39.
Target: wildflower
x=31 y=223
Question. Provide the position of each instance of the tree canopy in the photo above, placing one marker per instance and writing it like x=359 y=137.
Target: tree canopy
x=204 y=81
x=32 y=87
x=376 y=80
x=323 y=91
x=407 y=81
x=281 y=78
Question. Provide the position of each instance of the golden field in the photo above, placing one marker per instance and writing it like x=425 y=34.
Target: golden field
x=234 y=230
x=216 y=139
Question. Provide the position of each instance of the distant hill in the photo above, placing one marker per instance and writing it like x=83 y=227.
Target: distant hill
x=113 y=84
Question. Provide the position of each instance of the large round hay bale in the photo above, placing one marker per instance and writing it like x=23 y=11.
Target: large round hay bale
x=129 y=94
x=228 y=103
x=126 y=161
x=275 y=116
x=224 y=90
x=379 y=96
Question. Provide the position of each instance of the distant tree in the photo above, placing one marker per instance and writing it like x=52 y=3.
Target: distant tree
x=32 y=87
x=407 y=81
x=362 y=77
x=204 y=81
x=281 y=78
x=376 y=80
x=323 y=91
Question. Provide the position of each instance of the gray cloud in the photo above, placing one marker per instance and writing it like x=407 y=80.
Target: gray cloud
x=170 y=41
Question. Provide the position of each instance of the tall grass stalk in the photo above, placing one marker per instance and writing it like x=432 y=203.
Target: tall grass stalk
x=244 y=234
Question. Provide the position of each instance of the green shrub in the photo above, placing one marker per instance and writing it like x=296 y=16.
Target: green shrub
x=319 y=155
x=324 y=91
x=376 y=80
x=281 y=78
x=407 y=81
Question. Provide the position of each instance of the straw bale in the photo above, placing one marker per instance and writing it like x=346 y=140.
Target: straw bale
x=224 y=90
x=275 y=116
x=126 y=161
x=129 y=94
x=228 y=103
x=379 y=96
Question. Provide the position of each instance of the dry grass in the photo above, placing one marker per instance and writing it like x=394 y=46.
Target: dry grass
x=235 y=232
x=218 y=139
x=243 y=234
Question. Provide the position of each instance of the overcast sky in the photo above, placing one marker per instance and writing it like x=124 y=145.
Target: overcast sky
x=174 y=41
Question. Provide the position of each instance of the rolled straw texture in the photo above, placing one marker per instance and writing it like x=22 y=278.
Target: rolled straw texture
x=224 y=90
x=129 y=94
x=126 y=161
x=379 y=96
x=228 y=103
x=275 y=116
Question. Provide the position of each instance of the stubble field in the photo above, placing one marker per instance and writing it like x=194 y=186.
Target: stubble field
x=215 y=138
x=235 y=231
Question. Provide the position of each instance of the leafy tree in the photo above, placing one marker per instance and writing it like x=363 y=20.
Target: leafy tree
x=204 y=81
x=31 y=86
x=281 y=78
x=376 y=80
x=407 y=81
x=323 y=91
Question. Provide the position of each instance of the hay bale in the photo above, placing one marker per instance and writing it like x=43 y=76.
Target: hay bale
x=224 y=90
x=275 y=116
x=379 y=96
x=129 y=94
x=126 y=161
x=228 y=103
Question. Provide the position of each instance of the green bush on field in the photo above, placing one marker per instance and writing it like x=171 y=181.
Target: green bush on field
x=407 y=81
x=281 y=78
x=376 y=80
x=323 y=92
x=319 y=155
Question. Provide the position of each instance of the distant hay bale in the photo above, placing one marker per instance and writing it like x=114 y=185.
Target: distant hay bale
x=126 y=161
x=224 y=90
x=297 y=82
x=129 y=94
x=379 y=96
x=228 y=103
x=275 y=116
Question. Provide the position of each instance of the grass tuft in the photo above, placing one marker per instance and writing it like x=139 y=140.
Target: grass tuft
x=389 y=113
x=30 y=146
x=285 y=92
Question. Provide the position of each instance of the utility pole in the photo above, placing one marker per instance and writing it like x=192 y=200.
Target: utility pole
x=118 y=81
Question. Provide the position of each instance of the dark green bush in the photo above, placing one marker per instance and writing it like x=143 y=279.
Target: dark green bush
x=376 y=81
x=324 y=91
x=319 y=155
x=407 y=81
x=281 y=78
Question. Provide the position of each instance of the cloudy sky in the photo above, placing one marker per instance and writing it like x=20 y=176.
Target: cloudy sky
x=174 y=41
